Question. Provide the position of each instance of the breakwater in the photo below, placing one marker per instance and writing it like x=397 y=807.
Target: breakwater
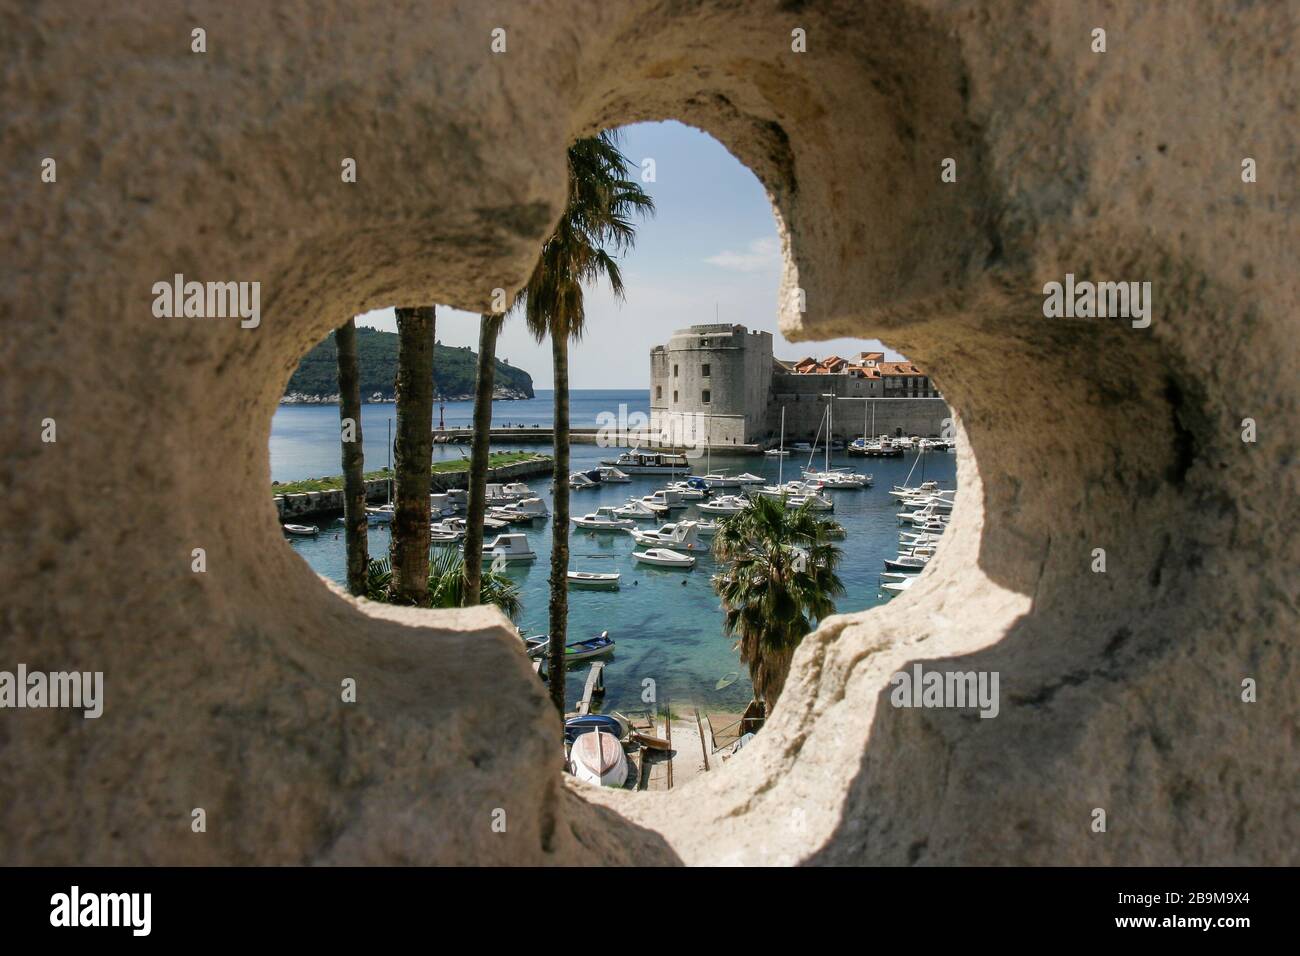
x=311 y=503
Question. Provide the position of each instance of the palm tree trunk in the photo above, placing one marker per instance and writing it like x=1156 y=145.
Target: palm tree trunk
x=559 y=607
x=354 y=483
x=413 y=454
x=476 y=507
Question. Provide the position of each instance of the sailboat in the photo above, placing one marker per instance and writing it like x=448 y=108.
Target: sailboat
x=384 y=513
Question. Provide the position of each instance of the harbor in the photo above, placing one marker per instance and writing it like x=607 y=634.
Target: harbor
x=666 y=622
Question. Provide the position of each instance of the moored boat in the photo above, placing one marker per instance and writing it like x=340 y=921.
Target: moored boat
x=664 y=558
x=593 y=580
x=302 y=530
x=538 y=645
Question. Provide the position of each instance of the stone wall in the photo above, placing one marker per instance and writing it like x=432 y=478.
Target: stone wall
x=804 y=411
x=309 y=503
x=1120 y=690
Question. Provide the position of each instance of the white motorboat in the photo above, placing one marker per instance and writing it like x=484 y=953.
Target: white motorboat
x=383 y=514
x=707 y=529
x=509 y=547
x=720 y=479
x=663 y=500
x=919 y=539
x=506 y=494
x=593 y=580
x=580 y=482
x=724 y=505
x=636 y=509
x=612 y=476
x=745 y=478
x=526 y=511
x=680 y=536
x=639 y=462
x=898 y=587
x=302 y=530
x=664 y=558
x=443 y=533
x=441 y=504
x=907 y=563
x=604 y=519
x=688 y=491
x=777 y=453
x=837 y=479
x=924 y=488
x=597 y=757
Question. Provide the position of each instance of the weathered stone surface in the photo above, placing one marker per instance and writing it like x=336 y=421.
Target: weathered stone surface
x=1119 y=690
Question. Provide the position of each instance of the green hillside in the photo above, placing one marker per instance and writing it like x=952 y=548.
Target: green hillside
x=453 y=370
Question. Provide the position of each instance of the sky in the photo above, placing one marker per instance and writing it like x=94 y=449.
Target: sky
x=710 y=253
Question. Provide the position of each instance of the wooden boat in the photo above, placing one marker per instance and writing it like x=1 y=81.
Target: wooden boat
x=577 y=651
x=664 y=558
x=593 y=580
x=302 y=530
x=597 y=757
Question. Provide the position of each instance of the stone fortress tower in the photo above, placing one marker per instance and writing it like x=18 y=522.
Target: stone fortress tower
x=721 y=384
x=711 y=381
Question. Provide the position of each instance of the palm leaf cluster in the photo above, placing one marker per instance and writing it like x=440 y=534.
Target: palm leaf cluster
x=447 y=583
x=596 y=226
x=778 y=578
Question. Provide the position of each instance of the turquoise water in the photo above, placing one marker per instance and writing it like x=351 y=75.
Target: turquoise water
x=667 y=624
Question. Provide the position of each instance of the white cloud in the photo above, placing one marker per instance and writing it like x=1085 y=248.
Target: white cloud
x=761 y=254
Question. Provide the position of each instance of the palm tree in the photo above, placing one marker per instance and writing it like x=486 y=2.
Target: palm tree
x=354 y=482
x=413 y=454
x=601 y=201
x=447 y=583
x=476 y=506
x=778 y=577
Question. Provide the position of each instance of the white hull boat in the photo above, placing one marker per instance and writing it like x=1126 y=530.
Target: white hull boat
x=725 y=505
x=383 y=514
x=593 y=580
x=680 y=536
x=598 y=758
x=718 y=479
x=898 y=587
x=637 y=509
x=612 y=476
x=638 y=462
x=302 y=530
x=604 y=519
x=664 y=558
x=509 y=547
x=745 y=478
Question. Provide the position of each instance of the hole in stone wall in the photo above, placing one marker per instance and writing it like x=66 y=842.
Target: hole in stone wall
x=841 y=424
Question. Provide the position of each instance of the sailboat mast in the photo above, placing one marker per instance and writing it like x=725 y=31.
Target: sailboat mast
x=390 y=461
x=830 y=428
x=780 y=459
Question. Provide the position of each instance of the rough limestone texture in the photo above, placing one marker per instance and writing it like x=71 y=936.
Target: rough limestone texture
x=1119 y=690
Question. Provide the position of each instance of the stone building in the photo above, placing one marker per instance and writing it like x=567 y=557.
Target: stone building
x=721 y=384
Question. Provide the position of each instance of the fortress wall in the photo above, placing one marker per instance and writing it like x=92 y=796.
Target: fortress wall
x=803 y=416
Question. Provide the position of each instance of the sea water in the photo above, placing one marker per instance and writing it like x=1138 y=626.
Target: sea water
x=667 y=624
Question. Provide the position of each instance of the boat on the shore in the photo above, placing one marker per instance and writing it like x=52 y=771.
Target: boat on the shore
x=302 y=530
x=597 y=757
x=594 y=580
x=614 y=723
